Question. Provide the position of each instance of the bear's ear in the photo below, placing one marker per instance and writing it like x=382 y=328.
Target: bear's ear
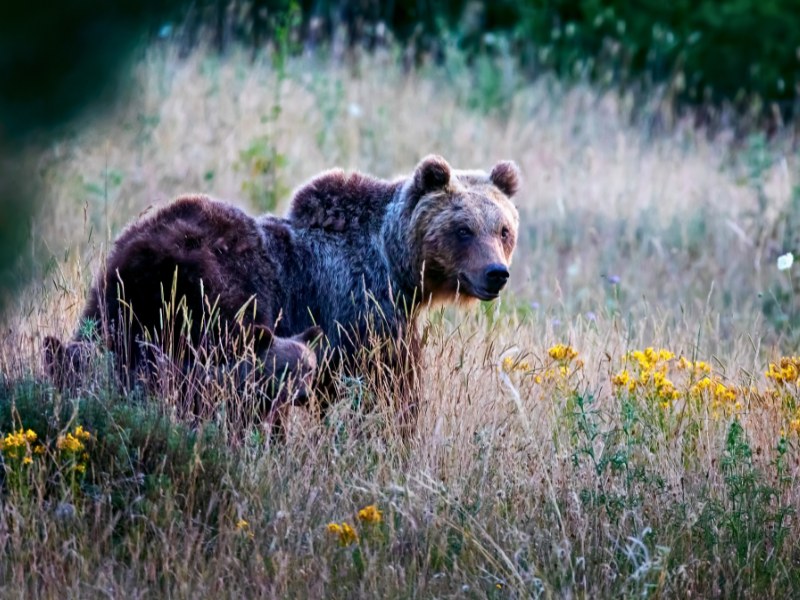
x=310 y=335
x=431 y=174
x=505 y=175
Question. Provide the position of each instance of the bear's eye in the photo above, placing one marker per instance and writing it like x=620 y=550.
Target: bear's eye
x=464 y=233
x=504 y=233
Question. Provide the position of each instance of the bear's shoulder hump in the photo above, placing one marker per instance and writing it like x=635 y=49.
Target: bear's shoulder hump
x=338 y=201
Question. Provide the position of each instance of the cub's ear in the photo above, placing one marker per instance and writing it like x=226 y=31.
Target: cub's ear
x=431 y=174
x=311 y=335
x=54 y=355
x=505 y=175
x=263 y=337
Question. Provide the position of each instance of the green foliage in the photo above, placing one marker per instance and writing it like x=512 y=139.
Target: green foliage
x=614 y=455
x=752 y=518
x=138 y=452
x=261 y=159
x=710 y=49
x=263 y=164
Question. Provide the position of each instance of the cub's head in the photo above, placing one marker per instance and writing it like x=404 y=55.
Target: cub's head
x=463 y=227
x=287 y=365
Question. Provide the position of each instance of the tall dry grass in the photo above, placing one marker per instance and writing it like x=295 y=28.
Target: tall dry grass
x=520 y=481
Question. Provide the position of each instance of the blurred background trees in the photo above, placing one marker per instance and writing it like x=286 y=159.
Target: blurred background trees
x=711 y=51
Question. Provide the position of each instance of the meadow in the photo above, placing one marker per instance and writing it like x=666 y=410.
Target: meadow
x=624 y=421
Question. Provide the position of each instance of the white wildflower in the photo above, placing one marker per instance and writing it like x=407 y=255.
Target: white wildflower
x=785 y=261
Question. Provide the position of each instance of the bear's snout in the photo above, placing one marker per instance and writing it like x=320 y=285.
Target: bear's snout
x=495 y=278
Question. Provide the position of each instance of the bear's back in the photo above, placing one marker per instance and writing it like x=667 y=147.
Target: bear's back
x=192 y=247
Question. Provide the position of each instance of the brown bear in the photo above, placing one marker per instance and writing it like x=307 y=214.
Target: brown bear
x=356 y=256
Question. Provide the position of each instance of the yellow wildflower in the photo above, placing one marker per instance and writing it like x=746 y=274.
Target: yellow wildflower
x=74 y=442
x=82 y=434
x=27 y=460
x=334 y=528
x=344 y=531
x=649 y=358
x=370 y=514
x=702 y=366
x=510 y=365
x=723 y=393
x=702 y=385
x=664 y=387
x=69 y=443
x=786 y=371
x=721 y=396
x=243 y=527
x=16 y=442
x=699 y=367
x=623 y=380
x=549 y=375
x=561 y=352
x=80 y=468
x=349 y=535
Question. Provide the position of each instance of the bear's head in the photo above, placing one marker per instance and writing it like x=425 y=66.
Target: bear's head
x=463 y=228
x=65 y=363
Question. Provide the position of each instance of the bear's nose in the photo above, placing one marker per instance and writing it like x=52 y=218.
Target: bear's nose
x=496 y=277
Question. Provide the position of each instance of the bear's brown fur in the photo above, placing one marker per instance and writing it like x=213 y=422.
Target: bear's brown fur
x=357 y=256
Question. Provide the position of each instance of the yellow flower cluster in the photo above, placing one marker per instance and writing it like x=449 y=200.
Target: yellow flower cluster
x=786 y=372
x=623 y=379
x=562 y=353
x=722 y=397
x=17 y=444
x=17 y=439
x=370 y=514
x=552 y=374
x=344 y=531
x=696 y=368
x=718 y=390
x=243 y=527
x=647 y=372
x=74 y=443
x=566 y=364
x=651 y=359
x=511 y=365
